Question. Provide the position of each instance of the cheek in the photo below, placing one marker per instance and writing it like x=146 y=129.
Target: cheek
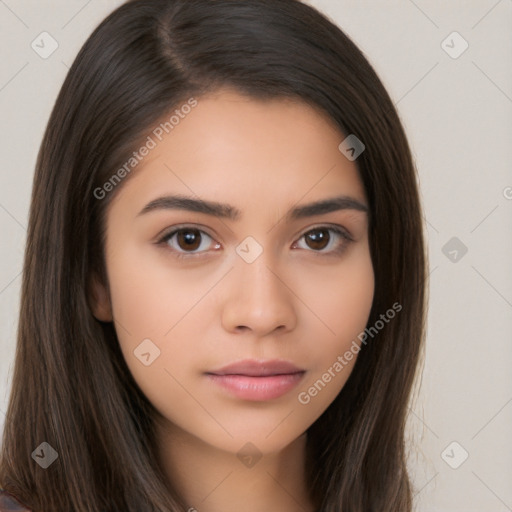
x=343 y=304
x=148 y=298
x=341 y=300
x=150 y=302
x=146 y=307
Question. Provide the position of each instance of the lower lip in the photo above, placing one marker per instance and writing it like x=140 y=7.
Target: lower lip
x=258 y=388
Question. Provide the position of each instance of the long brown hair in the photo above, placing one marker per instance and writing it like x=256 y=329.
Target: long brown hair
x=71 y=386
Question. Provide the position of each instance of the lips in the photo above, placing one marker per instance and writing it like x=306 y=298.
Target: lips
x=257 y=380
x=253 y=368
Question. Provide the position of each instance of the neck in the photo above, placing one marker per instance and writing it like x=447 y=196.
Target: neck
x=213 y=480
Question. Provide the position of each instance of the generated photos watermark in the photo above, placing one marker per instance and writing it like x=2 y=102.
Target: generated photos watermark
x=304 y=397
x=151 y=143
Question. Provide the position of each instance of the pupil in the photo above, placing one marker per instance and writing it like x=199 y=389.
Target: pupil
x=319 y=238
x=190 y=238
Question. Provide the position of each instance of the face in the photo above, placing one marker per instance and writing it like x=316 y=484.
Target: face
x=265 y=280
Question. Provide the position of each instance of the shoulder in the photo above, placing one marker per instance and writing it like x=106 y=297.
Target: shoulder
x=8 y=503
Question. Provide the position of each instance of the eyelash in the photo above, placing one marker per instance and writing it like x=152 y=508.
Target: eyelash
x=343 y=234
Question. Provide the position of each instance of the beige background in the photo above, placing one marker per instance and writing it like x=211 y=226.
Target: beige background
x=458 y=115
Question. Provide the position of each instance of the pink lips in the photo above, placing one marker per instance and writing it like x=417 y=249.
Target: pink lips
x=258 y=380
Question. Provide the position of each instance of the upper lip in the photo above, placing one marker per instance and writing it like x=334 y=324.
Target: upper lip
x=254 y=368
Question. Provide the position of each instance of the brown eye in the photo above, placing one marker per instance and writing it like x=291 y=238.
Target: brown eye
x=326 y=240
x=188 y=239
x=318 y=239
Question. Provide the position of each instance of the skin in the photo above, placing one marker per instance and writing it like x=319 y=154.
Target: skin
x=297 y=301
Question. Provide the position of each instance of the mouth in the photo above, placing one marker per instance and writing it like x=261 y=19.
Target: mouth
x=257 y=380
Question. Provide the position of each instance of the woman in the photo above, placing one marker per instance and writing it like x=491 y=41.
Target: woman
x=223 y=300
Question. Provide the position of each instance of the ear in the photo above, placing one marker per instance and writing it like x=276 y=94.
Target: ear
x=99 y=300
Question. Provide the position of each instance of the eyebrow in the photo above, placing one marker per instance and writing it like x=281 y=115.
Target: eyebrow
x=226 y=211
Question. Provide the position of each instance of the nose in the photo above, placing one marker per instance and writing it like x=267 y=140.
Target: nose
x=258 y=299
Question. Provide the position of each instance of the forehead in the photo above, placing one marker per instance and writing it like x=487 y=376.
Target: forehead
x=242 y=150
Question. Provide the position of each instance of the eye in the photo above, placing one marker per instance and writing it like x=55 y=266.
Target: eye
x=187 y=241
x=332 y=238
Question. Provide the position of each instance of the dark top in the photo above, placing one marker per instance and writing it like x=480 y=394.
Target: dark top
x=8 y=503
